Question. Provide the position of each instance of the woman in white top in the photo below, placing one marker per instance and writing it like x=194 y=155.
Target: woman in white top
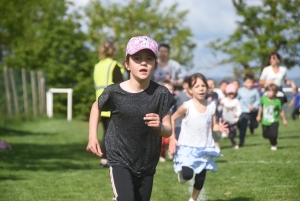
x=275 y=74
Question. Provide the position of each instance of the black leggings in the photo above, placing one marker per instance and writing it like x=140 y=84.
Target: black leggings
x=128 y=187
x=105 y=122
x=295 y=112
x=188 y=173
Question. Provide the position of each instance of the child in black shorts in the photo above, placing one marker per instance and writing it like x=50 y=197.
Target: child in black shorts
x=268 y=114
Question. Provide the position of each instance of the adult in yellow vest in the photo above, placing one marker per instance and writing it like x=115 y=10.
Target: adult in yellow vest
x=106 y=72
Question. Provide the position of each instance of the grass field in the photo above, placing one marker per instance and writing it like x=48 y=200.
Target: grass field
x=48 y=162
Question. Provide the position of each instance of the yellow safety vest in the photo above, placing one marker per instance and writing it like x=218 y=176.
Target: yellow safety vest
x=103 y=76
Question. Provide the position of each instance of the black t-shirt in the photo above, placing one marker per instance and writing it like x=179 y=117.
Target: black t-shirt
x=129 y=141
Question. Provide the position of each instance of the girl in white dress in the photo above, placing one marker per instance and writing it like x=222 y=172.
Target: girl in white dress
x=196 y=147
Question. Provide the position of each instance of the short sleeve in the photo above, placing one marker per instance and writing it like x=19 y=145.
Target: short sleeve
x=167 y=102
x=284 y=74
x=263 y=75
x=279 y=104
x=104 y=100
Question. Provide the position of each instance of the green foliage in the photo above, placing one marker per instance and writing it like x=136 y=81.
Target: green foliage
x=262 y=30
x=43 y=36
x=120 y=22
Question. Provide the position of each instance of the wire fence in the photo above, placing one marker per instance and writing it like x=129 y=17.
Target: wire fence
x=22 y=93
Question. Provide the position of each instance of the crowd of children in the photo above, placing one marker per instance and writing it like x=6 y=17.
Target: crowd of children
x=148 y=121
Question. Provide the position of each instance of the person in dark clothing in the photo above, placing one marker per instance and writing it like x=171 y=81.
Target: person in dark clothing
x=140 y=111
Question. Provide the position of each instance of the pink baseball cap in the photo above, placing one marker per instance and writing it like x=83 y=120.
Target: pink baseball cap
x=230 y=88
x=139 y=43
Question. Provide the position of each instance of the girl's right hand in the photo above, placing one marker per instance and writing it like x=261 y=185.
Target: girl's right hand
x=94 y=147
x=172 y=145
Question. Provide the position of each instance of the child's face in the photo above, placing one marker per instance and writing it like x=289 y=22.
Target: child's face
x=199 y=90
x=141 y=65
x=231 y=95
x=169 y=87
x=185 y=85
x=211 y=86
x=248 y=83
x=271 y=94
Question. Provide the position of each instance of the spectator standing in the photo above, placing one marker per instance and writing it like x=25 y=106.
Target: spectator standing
x=107 y=71
x=275 y=74
x=167 y=68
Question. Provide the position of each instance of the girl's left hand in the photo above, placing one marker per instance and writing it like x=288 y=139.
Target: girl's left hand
x=223 y=126
x=152 y=120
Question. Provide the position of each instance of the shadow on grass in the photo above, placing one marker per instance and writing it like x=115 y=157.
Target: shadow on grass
x=10 y=177
x=49 y=157
x=234 y=199
x=289 y=137
x=12 y=132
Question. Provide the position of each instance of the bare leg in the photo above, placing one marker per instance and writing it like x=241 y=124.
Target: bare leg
x=195 y=194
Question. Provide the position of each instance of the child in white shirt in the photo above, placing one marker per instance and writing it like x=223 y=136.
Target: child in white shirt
x=231 y=112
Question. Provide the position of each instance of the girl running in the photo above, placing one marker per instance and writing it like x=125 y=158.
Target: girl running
x=140 y=115
x=231 y=112
x=195 y=144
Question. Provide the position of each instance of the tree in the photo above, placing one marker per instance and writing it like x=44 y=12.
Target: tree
x=120 y=22
x=43 y=36
x=274 y=26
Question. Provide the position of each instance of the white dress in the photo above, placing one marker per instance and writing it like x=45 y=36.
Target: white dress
x=196 y=146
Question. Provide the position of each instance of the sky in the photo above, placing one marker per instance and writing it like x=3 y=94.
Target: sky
x=208 y=20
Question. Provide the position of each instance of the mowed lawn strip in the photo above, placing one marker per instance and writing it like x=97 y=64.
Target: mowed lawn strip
x=49 y=162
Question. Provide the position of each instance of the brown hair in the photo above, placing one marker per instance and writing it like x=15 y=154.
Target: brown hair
x=272 y=87
x=248 y=77
x=107 y=50
x=275 y=54
x=193 y=79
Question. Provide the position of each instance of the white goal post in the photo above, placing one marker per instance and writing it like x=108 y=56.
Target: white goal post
x=49 y=97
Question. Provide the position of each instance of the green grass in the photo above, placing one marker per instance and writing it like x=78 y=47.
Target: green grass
x=49 y=162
